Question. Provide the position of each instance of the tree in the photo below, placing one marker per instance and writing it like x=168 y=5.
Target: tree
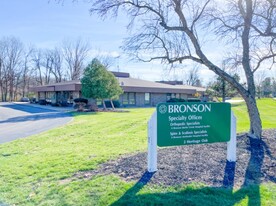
x=174 y=31
x=41 y=61
x=267 y=87
x=75 y=54
x=98 y=83
x=259 y=78
x=273 y=87
x=192 y=78
x=26 y=72
x=223 y=89
x=11 y=54
x=54 y=63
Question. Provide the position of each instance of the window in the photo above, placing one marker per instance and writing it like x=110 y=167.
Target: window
x=99 y=102
x=183 y=96
x=125 y=99
x=129 y=98
x=50 y=95
x=147 y=98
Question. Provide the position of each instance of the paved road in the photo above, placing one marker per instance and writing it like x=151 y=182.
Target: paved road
x=19 y=120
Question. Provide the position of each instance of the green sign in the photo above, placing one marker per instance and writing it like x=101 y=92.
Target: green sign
x=192 y=123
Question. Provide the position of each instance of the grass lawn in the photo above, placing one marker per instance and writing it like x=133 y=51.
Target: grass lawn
x=32 y=170
x=267 y=108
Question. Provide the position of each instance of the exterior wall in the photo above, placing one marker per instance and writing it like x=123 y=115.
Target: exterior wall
x=76 y=95
x=157 y=98
x=121 y=100
x=41 y=95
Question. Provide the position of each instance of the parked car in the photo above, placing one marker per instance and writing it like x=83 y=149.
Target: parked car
x=24 y=99
x=44 y=101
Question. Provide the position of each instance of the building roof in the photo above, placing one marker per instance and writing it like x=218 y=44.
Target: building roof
x=198 y=89
x=139 y=85
x=121 y=74
x=127 y=83
x=74 y=85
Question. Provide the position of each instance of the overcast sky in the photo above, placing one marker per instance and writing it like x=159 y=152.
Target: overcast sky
x=46 y=24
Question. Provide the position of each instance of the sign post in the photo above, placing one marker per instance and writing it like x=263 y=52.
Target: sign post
x=185 y=123
x=232 y=144
x=152 y=143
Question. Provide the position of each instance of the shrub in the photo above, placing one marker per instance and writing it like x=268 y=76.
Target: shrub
x=80 y=104
x=194 y=100
x=42 y=102
x=64 y=103
x=33 y=100
x=81 y=100
x=54 y=104
x=176 y=100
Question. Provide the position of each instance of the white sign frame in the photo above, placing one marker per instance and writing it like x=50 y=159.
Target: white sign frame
x=152 y=142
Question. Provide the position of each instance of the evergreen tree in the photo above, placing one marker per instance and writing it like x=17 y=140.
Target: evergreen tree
x=98 y=83
x=222 y=88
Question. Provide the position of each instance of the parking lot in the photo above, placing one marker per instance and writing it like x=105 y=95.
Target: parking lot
x=23 y=120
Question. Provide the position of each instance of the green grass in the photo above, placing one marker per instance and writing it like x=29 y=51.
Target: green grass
x=267 y=109
x=32 y=169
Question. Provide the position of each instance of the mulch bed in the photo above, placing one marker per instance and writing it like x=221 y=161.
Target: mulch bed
x=256 y=163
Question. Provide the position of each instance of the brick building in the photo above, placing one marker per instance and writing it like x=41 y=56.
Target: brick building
x=137 y=92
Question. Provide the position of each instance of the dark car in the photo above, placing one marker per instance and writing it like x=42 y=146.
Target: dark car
x=24 y=99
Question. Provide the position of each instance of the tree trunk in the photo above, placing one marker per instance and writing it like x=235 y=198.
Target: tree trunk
x=223 y=90
x=104 y=107
x=111 y=102
x=254 y=116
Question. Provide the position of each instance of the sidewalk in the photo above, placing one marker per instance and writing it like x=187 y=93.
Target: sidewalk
x=58 y=109
x=234 y=100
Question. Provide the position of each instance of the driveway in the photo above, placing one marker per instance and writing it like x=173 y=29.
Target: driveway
x=21 y=120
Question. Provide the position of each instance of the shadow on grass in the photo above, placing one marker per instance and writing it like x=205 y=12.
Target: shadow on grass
x=76 y=114
x=194 y=195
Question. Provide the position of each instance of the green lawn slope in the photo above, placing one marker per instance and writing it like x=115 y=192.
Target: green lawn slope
x=34 y=170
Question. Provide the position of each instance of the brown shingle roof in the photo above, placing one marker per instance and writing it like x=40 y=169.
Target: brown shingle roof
x=74 y=85
x=198 y=89
x=127 y=84
x=139 y=85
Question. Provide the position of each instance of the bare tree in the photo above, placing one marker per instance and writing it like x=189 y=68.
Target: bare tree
x=26 y=71
x=37 y=58
x=75 y=54
x=42 y=66
x=11 y=60
x=106 y=60
x=174 y=31
x=259 y=78
x=57 y=64
x=2 y=57
x=53 y=63
x=192 y=77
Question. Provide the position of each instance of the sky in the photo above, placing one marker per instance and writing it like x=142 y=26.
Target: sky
x=46 y=24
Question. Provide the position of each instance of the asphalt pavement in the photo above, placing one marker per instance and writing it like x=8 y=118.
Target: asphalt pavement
x=23 y=120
